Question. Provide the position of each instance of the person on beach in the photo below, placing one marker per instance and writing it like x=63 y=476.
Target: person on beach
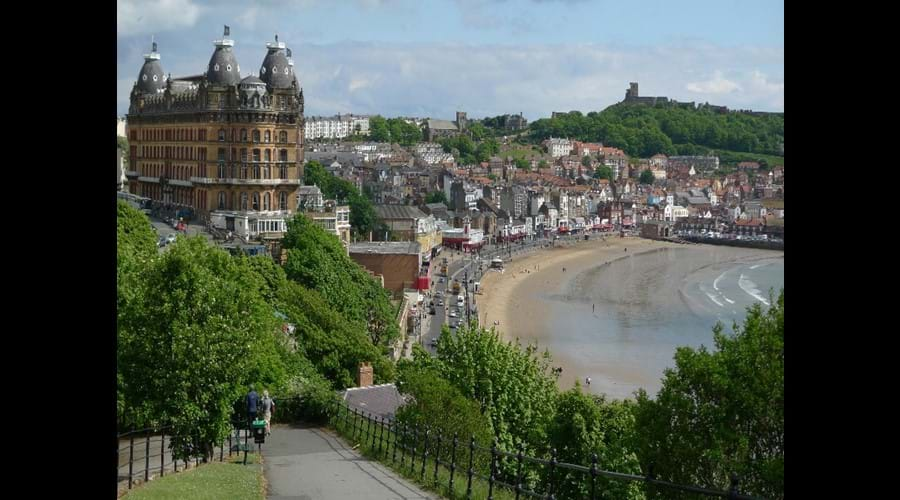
x=587 y=381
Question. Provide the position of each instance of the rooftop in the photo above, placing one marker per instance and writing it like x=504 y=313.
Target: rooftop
x=398 y=212
x=387 y=247
x=379 y=400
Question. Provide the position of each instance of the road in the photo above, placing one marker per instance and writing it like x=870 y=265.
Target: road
x=460 y=263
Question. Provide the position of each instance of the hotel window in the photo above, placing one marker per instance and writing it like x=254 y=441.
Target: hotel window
x=255 y=201
x=282 y=155
x=268 y=155
x=282 y=200
x=267 y=173
x=256 y=136
x=268 y=136
x=221 y=135
x=256 y=171
x=243 y=201
x=221 y=200
x=243 y=135
x=282 y=136
x=267 y=200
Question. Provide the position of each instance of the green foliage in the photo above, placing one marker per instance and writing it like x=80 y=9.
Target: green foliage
x=436 y=197
x=462 y=148
x=362 y=213
x=645 y=131
x=723 y=411
x=122 y=143
x=523 y=164
x=542 y=164
x=477 y=131
x=513 y=385
x=318 y=261
x=603 y=172
x=585 y=161
x=441 y=406
x=394 y=130
x=199 y=333
x=585 y=426
x=646 y=177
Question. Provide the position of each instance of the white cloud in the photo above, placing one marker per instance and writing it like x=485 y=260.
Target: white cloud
x=485 y=80
x=139 y=17
x=717 y=85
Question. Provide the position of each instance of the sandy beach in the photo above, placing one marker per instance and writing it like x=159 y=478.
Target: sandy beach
x=656 y=297
x=510 y=297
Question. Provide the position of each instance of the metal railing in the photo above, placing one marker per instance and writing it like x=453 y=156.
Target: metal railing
x=443 y=461
x=138 y=450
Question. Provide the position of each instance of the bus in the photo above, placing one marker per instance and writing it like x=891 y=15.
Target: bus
x=138 y=202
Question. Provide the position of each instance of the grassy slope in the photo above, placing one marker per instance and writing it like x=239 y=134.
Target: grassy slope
x=214 y=481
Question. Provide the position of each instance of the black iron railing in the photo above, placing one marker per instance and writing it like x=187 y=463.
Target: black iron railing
x=152 y=444
x=450 y=462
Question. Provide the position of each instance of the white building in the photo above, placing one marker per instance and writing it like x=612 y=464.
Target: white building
x=559 y=147
x=335 y=127
x=120 y=127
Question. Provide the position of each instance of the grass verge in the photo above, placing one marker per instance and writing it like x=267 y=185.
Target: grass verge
x=231 y=480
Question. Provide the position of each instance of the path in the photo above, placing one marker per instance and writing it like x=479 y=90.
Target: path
x=304 y=463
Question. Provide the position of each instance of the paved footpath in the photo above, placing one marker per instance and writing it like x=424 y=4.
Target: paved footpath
x=305 y=463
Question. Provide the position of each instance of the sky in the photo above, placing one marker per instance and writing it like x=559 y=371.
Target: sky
x=430 y=58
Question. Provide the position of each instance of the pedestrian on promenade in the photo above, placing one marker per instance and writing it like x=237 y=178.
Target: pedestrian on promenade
x=252 y=405
x=268 y=406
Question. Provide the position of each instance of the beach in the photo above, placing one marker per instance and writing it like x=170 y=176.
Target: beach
x=617 y=316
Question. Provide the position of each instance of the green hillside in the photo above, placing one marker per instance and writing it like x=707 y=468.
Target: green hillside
x=643 y=131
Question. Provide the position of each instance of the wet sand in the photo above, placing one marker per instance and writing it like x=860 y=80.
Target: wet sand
x=515 y=297
x=537 y=302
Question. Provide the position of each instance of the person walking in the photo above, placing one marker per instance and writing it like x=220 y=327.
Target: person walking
x=268 y=406
x=252 y=406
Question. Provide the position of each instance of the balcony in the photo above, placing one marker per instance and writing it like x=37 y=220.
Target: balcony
x=246 y=182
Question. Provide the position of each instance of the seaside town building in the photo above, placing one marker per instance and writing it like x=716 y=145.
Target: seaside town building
x=226 y=147
x=335 y=127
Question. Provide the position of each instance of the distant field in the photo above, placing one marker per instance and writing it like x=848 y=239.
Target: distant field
x=518 y=152
x=733 y=157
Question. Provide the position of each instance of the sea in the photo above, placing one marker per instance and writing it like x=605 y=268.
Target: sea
x=620 y=323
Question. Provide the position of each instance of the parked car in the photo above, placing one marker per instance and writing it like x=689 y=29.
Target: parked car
x=171 y=238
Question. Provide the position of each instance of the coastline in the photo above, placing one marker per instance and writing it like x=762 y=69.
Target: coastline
x=526 y=298
x=511 y=297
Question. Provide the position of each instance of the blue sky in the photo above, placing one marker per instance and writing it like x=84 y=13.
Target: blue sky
x=486 y=57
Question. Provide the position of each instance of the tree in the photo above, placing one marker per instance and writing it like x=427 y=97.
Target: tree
x=585 y=161
x=584 y=426
x=198 y=335
x=603 y=172
x=542 y=164
x=318 y=260
x=647 y=177
x=436 y=197
x=722 y=412
x=523 y=164
x=477 y=131
x=378 y=129
x=122 y=143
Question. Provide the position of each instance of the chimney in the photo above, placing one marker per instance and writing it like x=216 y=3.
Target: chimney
x=365 y=378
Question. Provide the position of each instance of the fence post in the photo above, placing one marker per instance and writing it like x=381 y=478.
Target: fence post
x=425 y=451
x=374 y=429
x=381 y=437
x=162 y=454
x=368 y=427
x=453 y=461
x=130 y=460
x=229 y=443
x=357 y=429
x=437 y=456
x=470 y=471
x=174 y=460
x=402 y=435
x=593 y=476
x=147 y=456
x=550 y=495
x=412 y=452
x=246 y=442
x=493 y=469
x=733 y=490
x=222 y=452
x=392 y=431
x=519 y=472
